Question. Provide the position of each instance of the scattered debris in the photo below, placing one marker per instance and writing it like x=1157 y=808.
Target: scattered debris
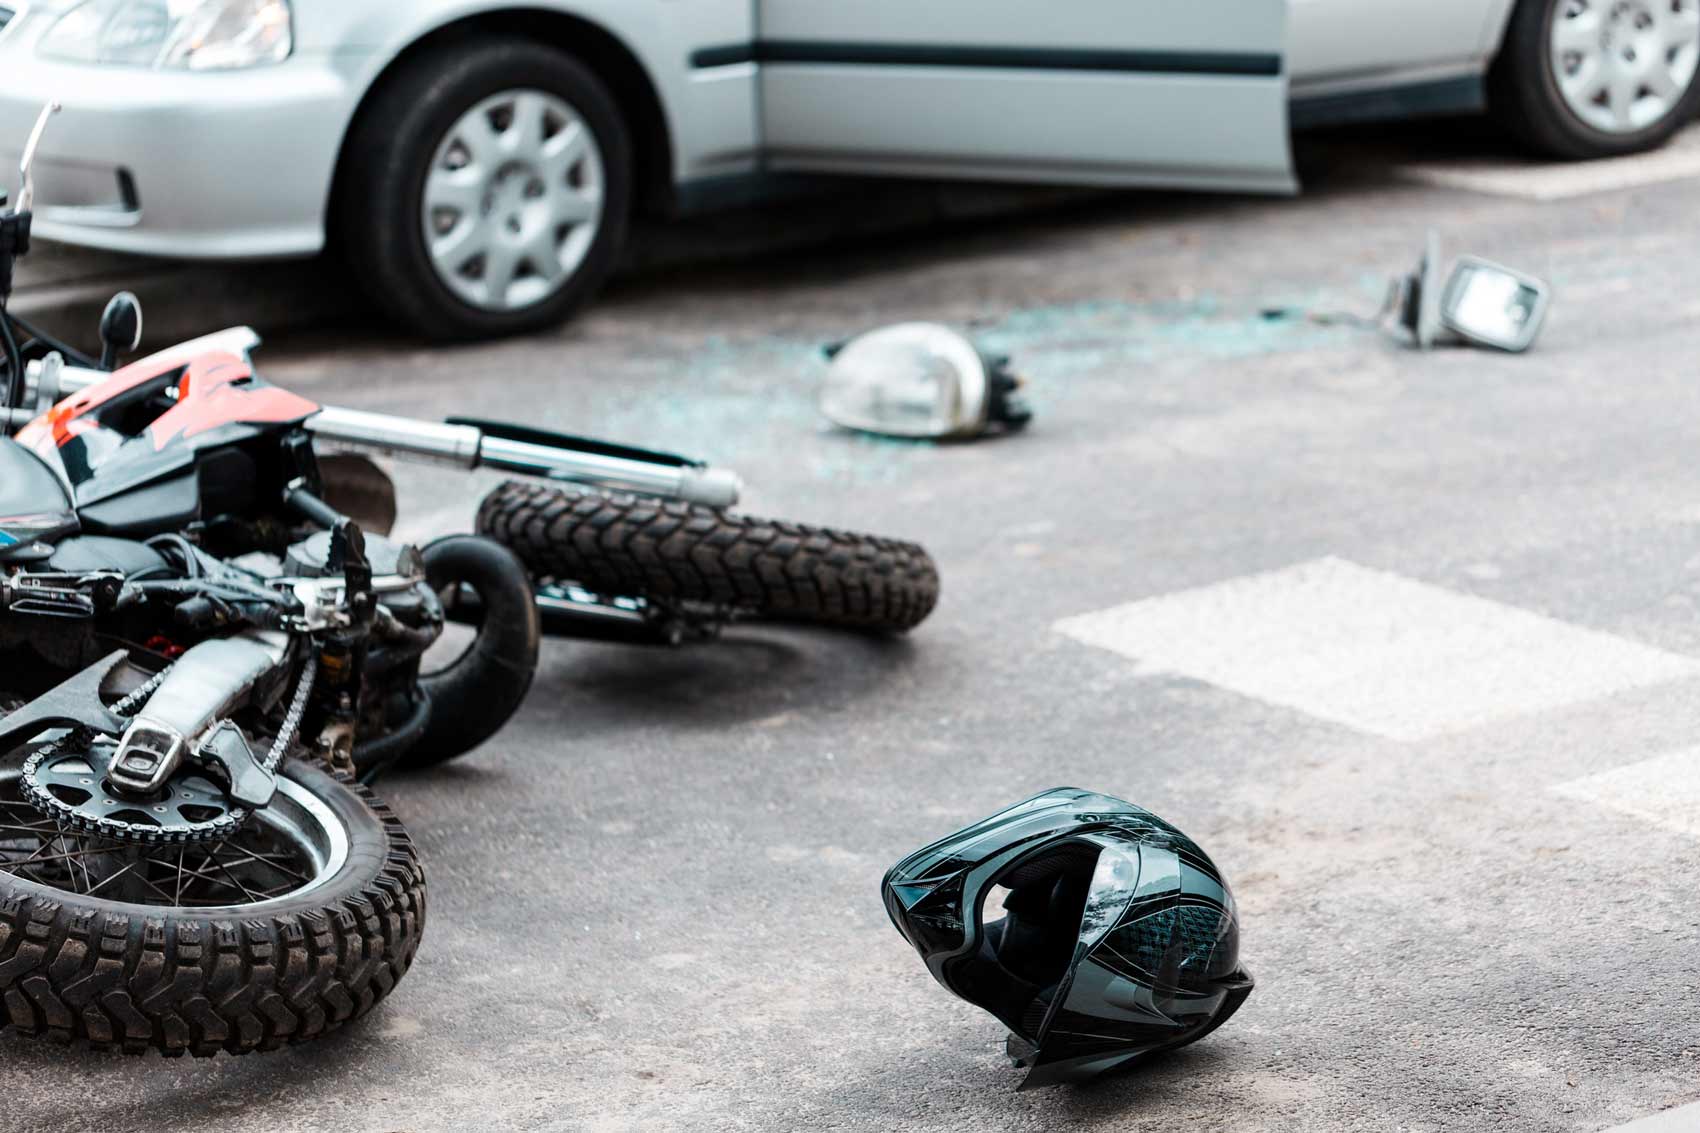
x=921 y=381
x=1480 y=303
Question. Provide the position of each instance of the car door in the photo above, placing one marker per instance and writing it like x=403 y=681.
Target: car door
x=1123 y=92
x=1351 y=45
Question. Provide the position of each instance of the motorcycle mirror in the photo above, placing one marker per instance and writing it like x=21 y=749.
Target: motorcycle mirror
x=120 y=328
x=920 y=381
x=26 y=164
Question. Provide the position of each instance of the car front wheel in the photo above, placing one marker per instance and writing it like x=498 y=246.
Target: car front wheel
x=1598 y=78
x=487 y=190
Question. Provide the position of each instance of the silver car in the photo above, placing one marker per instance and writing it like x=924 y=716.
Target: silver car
x=477 y=161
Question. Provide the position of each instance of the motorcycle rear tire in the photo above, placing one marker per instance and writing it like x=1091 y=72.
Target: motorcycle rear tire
x=135 y=978
x=640 y=547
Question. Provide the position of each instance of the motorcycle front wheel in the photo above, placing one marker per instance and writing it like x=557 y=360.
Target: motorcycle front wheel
x=301 y=921
x=666 y=550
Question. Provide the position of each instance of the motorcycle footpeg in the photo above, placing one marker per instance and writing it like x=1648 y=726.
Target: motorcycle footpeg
x=226 y=748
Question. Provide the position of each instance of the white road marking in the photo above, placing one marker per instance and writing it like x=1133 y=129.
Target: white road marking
x=1664 y=791
x=1682 y=1119
x=1555 y=181
x=1374 y=651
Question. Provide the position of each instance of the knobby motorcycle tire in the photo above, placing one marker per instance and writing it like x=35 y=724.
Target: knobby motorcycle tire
x=637 y=546
x=77 y=969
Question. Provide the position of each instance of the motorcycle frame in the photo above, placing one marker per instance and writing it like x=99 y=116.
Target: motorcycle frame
x=565 y=610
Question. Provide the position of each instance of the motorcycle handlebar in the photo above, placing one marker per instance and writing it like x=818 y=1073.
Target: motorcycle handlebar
x=465 y=446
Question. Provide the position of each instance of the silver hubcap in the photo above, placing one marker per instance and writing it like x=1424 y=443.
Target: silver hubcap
x=1622 y=65
x=513 y=200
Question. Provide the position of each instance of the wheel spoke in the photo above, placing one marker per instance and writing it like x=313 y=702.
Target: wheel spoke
x=1621 y=91
x=577 y=206
x=145 y=880
x=544 y=256
x=1681 y=26
x=479 y=137
x=1580 y=33
x=46 y=827
x=458 y=190
x=81 y=862
x=27 y=808
x=469 y=238
x=501 y=264
x=1585 y=86
x=40 y=856
x=114 y=876
x=563 y=151
x=265 y=860
x=1662 y=83
x=246 y=892
x=524 y=134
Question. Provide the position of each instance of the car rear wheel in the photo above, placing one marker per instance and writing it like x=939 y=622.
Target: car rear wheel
x=1598 y=78
x=487 y=190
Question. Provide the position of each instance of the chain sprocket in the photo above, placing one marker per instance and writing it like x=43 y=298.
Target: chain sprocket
x=66 y=780
x=69 y=786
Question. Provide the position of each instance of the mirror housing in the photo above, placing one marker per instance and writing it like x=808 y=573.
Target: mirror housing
x=1480 y=304
x=120 y=328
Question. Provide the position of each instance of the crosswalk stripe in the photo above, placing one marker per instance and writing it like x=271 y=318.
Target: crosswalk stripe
x=1374 y=651
x=1664 y=791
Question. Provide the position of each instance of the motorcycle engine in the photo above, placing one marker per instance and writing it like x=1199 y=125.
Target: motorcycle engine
x=310 y=558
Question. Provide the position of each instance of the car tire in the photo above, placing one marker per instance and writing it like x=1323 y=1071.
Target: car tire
x=399 y=140
x=1526 y=95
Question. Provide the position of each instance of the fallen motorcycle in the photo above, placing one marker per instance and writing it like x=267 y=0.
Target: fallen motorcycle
x=208 y=644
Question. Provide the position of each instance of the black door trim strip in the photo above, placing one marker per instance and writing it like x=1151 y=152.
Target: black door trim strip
x=1031 y=58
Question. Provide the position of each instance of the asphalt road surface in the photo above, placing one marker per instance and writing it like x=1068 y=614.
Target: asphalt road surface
x=1409 y=642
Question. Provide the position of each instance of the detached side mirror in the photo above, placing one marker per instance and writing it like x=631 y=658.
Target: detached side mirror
x=1481 y=303
x=120 y=328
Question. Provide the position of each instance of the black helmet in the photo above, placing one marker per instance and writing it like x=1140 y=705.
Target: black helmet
x=1116 y=937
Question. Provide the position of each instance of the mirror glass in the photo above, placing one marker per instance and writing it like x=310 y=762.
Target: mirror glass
x=1494 y=306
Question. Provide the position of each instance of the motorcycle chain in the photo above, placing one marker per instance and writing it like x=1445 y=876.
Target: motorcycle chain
x=72 y=816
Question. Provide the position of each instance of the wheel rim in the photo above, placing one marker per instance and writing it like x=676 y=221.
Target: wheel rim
x=1624 y=65
x=513 y=200
x=291 y=848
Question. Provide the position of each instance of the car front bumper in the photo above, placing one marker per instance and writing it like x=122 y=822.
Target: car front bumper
x=213 y=165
